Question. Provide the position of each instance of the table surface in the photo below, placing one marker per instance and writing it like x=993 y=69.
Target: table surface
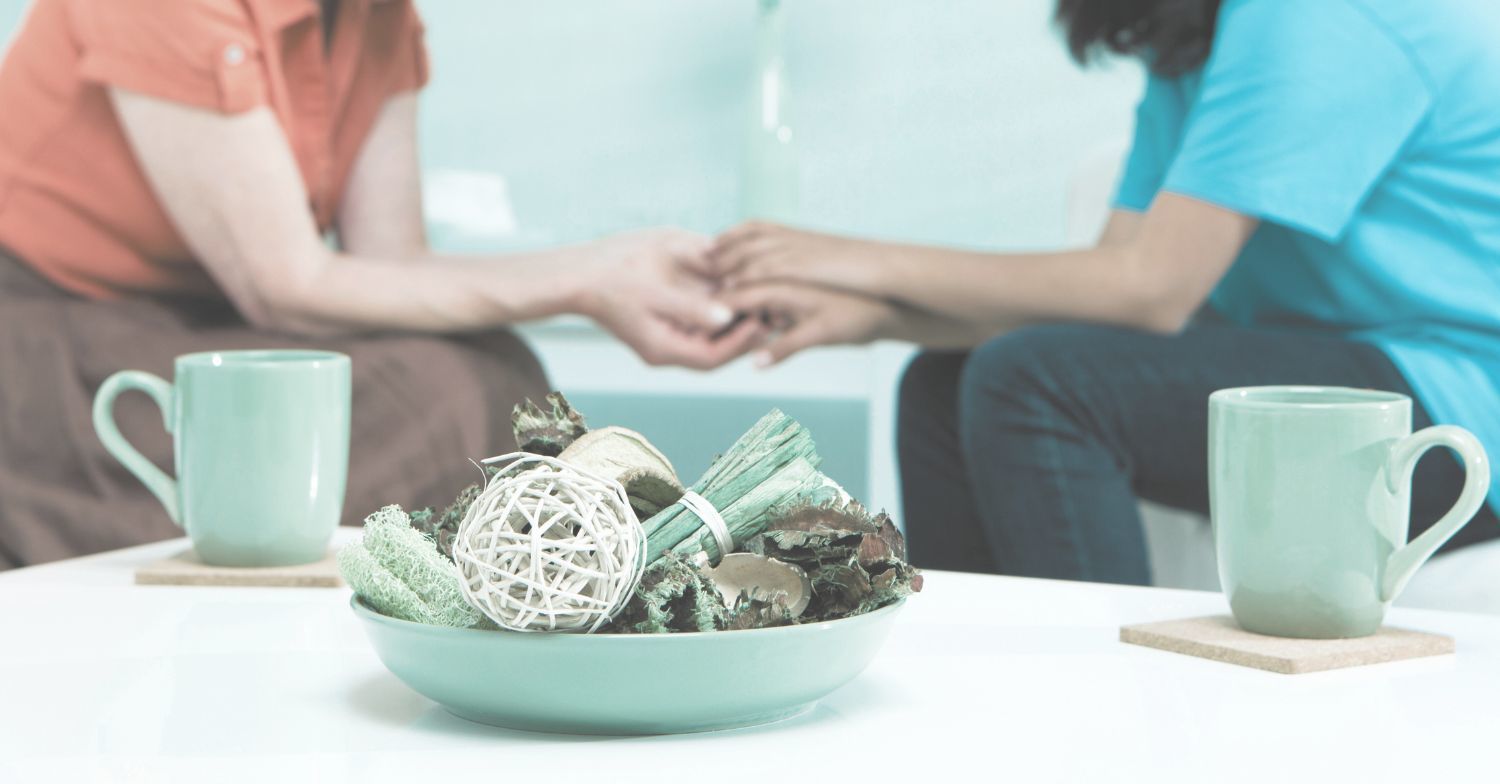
x=1024 y=680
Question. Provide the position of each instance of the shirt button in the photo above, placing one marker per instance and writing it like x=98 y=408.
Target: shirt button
x=234 y=54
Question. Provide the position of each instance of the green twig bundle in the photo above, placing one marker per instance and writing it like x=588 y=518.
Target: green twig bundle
x=773 y=464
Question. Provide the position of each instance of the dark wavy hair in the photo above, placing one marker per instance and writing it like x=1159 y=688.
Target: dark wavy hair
x=1170 y=36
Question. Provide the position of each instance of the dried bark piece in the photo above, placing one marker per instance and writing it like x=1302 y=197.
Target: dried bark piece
x=626 y=456
x=749 y=578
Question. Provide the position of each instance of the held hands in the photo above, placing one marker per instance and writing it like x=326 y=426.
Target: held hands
x=678 y=298
x=757 y=252
x=806 y=316
x=802 y=284
x=655 y=291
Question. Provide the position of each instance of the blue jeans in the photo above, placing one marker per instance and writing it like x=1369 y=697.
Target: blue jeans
x=1026 y=456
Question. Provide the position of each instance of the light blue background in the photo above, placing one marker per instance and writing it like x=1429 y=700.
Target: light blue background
x=914 y=120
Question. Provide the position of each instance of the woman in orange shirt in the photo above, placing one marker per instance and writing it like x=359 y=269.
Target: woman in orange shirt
x=170 y=174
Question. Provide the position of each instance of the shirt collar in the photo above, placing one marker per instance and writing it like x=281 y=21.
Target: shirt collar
x=280 y=14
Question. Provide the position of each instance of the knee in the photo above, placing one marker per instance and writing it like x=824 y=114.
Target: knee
x=929 y=390
x=1032 y=368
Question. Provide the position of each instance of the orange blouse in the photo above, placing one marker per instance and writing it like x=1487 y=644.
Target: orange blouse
x=75 y=205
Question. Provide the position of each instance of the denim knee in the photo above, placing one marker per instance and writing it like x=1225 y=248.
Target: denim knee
x=928 y=393
x=1023 y=367
x=1055 y=376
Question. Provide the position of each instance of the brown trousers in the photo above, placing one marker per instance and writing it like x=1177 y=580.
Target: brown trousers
x=423 y=407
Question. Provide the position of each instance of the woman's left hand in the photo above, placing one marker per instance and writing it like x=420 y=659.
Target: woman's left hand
x=757 y=252
x=809 y=316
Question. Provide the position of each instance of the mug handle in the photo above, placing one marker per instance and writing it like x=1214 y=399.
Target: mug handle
x=1398 y=473
x=162 y=486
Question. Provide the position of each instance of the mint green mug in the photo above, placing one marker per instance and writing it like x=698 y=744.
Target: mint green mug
x=1310 y=495
x=261 y=449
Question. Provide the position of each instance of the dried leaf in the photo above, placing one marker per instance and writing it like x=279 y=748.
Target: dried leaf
x=753 y=613
x=441 y=528
x=627 y=457
x=856 y=561
x=673 y=597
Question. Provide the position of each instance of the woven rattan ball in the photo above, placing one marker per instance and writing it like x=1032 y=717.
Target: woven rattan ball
x=549 y=547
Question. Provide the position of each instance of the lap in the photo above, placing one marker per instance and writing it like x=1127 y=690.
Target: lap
x=423 y=406
x=1144 y=396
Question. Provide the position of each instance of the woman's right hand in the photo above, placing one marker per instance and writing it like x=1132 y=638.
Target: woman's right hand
x=654 y=290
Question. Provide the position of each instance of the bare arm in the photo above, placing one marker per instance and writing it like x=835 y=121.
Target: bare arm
x=1121 y=228
x=381 y=213
x=1149 y=272
x=936 y=330
x=932 y=330
x=232 y=188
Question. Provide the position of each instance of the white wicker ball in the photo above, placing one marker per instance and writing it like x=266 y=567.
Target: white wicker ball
x=549 y=547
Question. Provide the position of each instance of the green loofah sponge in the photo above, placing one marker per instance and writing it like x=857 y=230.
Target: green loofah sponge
x=399 y=572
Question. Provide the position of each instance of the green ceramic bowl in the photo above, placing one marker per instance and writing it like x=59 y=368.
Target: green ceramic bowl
x=627 y=684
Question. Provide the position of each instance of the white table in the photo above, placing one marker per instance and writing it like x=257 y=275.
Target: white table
x=1020 y=680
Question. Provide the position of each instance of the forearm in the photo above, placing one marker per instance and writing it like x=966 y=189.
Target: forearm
x=1149 y=271
x=981 y=291
x=347 y=293
x=1110 y=284
x=930 y=330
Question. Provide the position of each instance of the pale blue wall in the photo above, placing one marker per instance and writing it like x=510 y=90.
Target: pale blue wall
x=948 y=121
x=944 y=121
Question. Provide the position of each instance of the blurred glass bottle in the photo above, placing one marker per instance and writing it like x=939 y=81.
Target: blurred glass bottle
x=769 y=181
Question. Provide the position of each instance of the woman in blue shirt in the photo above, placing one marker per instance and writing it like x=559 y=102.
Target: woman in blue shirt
x=1312 y=197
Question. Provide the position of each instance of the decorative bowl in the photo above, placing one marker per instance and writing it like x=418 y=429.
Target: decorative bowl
x=627 y=684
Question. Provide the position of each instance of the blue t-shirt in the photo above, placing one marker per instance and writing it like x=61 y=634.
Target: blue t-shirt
x=1365 y=135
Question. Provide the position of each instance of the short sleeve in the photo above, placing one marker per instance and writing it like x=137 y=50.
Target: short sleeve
x=198 y=52
x=413 y=70
x=1303 y=108
x=1158 y=131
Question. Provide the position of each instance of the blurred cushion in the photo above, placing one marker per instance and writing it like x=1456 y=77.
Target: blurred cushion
x=1465 y=580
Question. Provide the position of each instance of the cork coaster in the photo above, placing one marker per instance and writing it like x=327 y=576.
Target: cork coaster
x=184 y=568
x=1219 y=638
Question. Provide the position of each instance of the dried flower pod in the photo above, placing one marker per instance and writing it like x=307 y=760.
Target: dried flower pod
x=547 y=432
